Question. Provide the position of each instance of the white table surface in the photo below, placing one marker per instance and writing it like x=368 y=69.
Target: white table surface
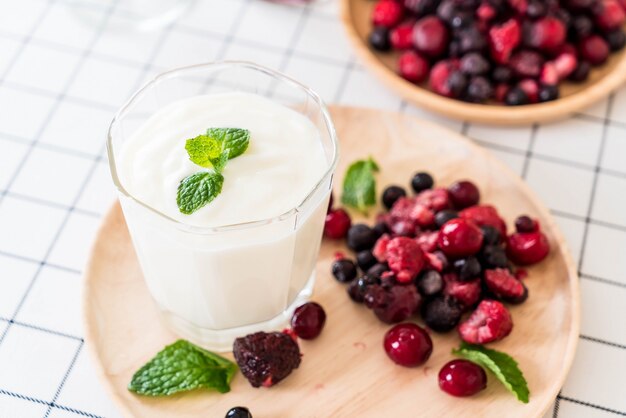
x=61 y=81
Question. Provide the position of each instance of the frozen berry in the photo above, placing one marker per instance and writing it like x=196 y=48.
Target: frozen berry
x=467 y=268
x=503 y=39
x=408 y=345
x=387 y=13
x=365 y=259
x=239 y=412
x=581 y=27
x=505 y=286
x=440 y=77
x=502 y=74
x=594 y=49
x=616 y=39
x=413 y=67
x=392 y=304
x=436 y=199
x=547 y=34
x=405 y=258
x=479 y=90
x=460 y=238
x=377 y=270
x=467 y=293
x=430 y=36
x=548 y=93
x=525 y=224
x=444 y=216
x=361 y=237
x=462 y=378
x=308 y=320
x=527 y=248
x=358 y=287
x=401 y=36
x=344 y=270
x=420 y=7
x=474 y=64
x=391 y=195
x=516 y=97
x=422 y=181
x=484 y=215
x=581 y=72
x=379 y=39
x=611 y=15
x=266 y=358
x=441 y=313
x=337 y=224
x=491 y=235
x=493 y=256
x=429 y=283
x=490 y=322
x=527 y=64
x=463 y=194
x=380 y=228
x=536 y=9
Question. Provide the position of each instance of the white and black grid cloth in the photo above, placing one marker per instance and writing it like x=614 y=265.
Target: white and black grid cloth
x=61 y=80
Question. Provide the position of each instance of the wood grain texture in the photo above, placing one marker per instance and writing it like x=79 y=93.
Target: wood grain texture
x=356 y=17
x=345 y=372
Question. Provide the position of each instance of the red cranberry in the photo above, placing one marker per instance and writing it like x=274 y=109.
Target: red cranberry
x=594 y=49
x=430 y=36
x=547 y=34
x=308 y=320
x=525 y=224
x=401 y=36
x=387 y=13
x=413 y=67
x=464 y=194
x=462 y=378
x=527 y=248
x=337 y=224
x=460 y=238
x=408 y=345
x=611 y=16
x=440 y=75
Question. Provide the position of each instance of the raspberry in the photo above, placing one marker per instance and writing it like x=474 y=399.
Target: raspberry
x=266 y=358
x=485 y=215
x=565 y=63
x=380 y=248
x=427 y=241
x=386 y=13
x=439 y=76
x=526 y=63
x=434 y=199
x=503 y=39
x=505 y=286
x=547 y=34
x=527 y=248
x=405 y=258
x=549 y=76
x=490 y=322
x=466 y=293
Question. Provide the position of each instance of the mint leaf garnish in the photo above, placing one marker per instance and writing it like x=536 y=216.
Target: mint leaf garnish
x=217 y=146
x=359 y=185
x=500 y=364
x=180 y=367
x=197 y=190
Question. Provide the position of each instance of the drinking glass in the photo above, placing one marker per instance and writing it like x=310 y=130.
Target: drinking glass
x=213 y=284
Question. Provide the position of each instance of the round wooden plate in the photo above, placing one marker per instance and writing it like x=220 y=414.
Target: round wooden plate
x=602 y=81
x=345 y=372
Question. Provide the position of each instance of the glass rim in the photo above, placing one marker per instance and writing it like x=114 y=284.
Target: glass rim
x=224 y=64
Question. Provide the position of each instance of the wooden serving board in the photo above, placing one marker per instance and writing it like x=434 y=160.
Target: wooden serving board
x=345 y=372
x=356 y=17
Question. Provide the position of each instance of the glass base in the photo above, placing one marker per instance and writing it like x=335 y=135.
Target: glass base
x=222 y=340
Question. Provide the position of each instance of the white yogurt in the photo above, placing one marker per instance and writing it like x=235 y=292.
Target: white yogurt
x=231 y=279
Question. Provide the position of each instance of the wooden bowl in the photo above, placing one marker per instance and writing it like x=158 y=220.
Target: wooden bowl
x=574 y=96
x=345 y=372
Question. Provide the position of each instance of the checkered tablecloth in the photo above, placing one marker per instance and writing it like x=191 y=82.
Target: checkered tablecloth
x=62 y=77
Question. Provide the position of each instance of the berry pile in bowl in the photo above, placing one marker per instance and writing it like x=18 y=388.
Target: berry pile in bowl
x=493 y=52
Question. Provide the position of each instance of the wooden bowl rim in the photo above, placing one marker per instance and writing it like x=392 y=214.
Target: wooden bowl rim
x=490 y=114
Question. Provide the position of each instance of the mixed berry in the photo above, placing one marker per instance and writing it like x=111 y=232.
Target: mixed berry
x=441 y=254
x=514 y=52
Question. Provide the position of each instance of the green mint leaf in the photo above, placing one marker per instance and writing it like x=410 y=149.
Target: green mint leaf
x=234 y=140
x=217 y=146
x=500 y=364
x=197 y=190
x=359 y=185
x=180 y=367
x=203 y=150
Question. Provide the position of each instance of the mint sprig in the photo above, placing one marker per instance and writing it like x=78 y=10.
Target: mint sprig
x=183 y=366
x=503 y=366
x=359 y=185
x=211 y=150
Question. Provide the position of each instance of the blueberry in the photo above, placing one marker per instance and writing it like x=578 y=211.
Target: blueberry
x=429 y=283
x=474 y=64
x=479 y=89
x=358 y=287
x=344 y=270
x=421 y=7
x=582 y=27
x=468 y=268
x=377 y=270
x=457 y=82
x=238 y=412
x=441 y=313
x=536 y=9
x=502 y=74
x=516 y=97
x=493 y=256
x=446 y=10
x=616 y=39
x=380 y=228
x=365 y=259
x=379 y=39
x=491 y=235
x=361 y=237
x=548 y=93
x=391 y=194
x=422 y=181
x=444 y=216
x=581 y=72
x=462 y=19
x=472 y=39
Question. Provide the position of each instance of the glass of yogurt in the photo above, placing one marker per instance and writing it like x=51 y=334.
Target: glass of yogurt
x=243 y=262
